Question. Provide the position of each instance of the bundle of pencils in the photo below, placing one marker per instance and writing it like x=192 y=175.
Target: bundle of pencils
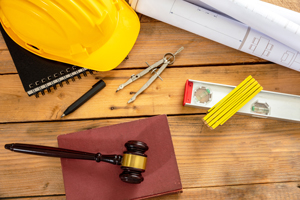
x=232 y=102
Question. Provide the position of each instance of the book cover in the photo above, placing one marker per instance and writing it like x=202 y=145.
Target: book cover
x=91 y=180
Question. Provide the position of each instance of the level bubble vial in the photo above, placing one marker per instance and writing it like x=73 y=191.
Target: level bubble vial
x=202 y=95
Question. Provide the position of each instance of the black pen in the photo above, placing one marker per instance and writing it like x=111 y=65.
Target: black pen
x=89 y=94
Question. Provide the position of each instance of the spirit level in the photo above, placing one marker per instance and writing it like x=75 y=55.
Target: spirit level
x=265 y=104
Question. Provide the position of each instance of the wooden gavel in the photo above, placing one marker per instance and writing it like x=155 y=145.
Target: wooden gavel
x=133 y=162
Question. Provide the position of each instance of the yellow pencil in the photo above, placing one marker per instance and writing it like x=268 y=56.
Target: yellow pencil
x=226 y=99
x=234 y=103
x=233 y=91
x=227 y=106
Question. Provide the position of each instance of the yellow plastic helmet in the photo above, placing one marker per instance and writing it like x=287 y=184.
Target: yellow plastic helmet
x=95 y=34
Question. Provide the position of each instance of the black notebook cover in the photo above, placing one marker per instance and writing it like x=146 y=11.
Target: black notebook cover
x=39 y=74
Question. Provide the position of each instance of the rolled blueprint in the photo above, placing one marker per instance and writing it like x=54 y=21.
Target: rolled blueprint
x=221 y=28
x=260 y=18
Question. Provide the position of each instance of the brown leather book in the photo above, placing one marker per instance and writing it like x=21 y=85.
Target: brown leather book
x=84 y=179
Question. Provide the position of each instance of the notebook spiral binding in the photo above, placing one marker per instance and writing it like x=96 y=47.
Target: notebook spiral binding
x=46 y=83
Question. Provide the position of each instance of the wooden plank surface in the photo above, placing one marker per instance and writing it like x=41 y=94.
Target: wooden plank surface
x=246 y=158
x=256 y=191
x=162 y=97
x=245 y=151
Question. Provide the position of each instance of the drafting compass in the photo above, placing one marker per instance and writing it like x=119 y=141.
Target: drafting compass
x=168 y=59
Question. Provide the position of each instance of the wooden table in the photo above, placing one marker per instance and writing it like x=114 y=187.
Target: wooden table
x=246 y=158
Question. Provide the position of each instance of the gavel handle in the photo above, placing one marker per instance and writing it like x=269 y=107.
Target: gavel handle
x=62 y=153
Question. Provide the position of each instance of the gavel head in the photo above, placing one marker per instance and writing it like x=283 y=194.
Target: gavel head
x=134 y=162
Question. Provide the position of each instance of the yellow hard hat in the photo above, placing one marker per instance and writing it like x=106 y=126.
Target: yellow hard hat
x=95 y=34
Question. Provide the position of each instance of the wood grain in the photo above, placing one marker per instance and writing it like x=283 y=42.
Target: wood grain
x=246 y=158
x=162 y=97
x=276 y=191
x=257 y=191
x=245 y=150
x=289 y=4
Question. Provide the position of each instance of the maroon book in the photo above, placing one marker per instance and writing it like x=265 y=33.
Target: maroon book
x=84 y=179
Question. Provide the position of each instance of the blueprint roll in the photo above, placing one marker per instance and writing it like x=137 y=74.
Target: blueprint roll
x=202 y=18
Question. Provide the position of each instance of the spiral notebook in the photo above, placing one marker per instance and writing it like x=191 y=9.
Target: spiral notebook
x=38 y=74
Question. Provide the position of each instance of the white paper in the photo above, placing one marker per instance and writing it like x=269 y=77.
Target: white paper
x=220 y=28
x=260 y=18
x=289 y=14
